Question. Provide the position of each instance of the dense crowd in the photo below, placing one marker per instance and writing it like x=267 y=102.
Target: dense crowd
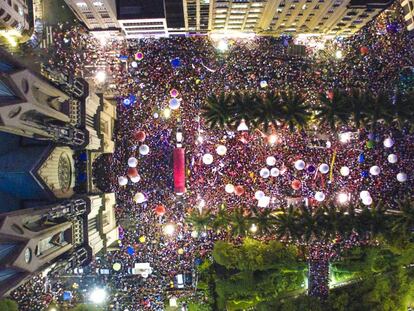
x=200 y=71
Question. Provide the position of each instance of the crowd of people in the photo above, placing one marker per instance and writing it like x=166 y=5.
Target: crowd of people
x=194 y=67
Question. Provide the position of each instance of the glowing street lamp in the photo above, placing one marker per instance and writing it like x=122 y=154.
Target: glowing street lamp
x=222 y=46
x=343 y=197
x=167 y=113
x=98 y=295
x=253 y=228
x=100 y=76
x=338 y=54
x=242 y=126
x=169 y=229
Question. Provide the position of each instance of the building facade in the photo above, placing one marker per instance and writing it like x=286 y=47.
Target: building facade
x=98 y=15
x=273 y=17
x=14 y=15
x=52 y=216
x=408 y=7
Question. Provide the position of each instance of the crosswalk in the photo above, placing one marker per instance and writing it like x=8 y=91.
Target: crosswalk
x=47 y=40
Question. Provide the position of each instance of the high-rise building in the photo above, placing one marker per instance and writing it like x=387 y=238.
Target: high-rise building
x=59 y=237
x=156 y=18
x=408 y=7
x=14 y=15
x=337 y=17
x=98 y=15
x=33 y=107
x=52 y=214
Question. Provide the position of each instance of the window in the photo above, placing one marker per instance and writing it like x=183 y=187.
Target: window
x=7 y=18
x=16 y=8
x=9 y=2
x=105 y=15
x=1 y=12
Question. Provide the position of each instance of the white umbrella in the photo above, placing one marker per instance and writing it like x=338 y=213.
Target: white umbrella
x=132 y=162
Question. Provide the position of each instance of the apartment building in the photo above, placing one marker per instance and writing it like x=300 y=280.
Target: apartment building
x=408 y=7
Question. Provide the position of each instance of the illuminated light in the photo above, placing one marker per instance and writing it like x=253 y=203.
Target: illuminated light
x=345 y=137
x=200 y=139
x=319 y=196
x=253 y=228
x=100 y=76
x=221 y=150
x=167 y=113
x=169 y=229
x=98 y=295
x=343 y=197
x=222 y=46
x=338 y=54
x=194 y=234
x=272 y=139
x=202 y=203
x=242 y=126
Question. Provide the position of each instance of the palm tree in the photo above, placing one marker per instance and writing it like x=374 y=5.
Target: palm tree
x=378 y=219
x=264 y=220
x=216 y=110
x=294 y=112
x=239 y=223
x=308 y=224
x=357 y=105
x=333 y=112
x=404 y=222
x=199 y=218
x=403 y=109
x=331 y=223
x=270 y=110
x=287 y=223
x=245 y=106
x=220 y=220
x=379 y=109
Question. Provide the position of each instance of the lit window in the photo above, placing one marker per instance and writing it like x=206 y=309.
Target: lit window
x=97 y=3
x=81 y=4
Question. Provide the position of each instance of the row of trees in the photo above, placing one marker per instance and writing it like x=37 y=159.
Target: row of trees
x=304 y=224
x=377 y=292
x=254 y=271
x=356 y=107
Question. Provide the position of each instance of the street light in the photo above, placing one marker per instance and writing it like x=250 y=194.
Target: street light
x=100 y=76
x=222 y=46
x=343 y=197
x=253 y=228
x=169 y=229
x=98 y=295
x=338 y=54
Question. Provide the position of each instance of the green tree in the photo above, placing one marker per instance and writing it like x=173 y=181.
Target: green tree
x=356 y=105
x=246 y=106
x=199 y=218
x=264 y=220
x=379 y=109
x=220 y=220
x=404 y=222
x=216 y=110
x=403 y=109
x=239 y=222
x=270 y=112
x=294 y=112
x=86 y=307
x=8 y=305
x=225 y=254
x=287 y=223
x=333 y=112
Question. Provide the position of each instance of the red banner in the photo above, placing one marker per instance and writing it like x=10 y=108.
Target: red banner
x=179 y=170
